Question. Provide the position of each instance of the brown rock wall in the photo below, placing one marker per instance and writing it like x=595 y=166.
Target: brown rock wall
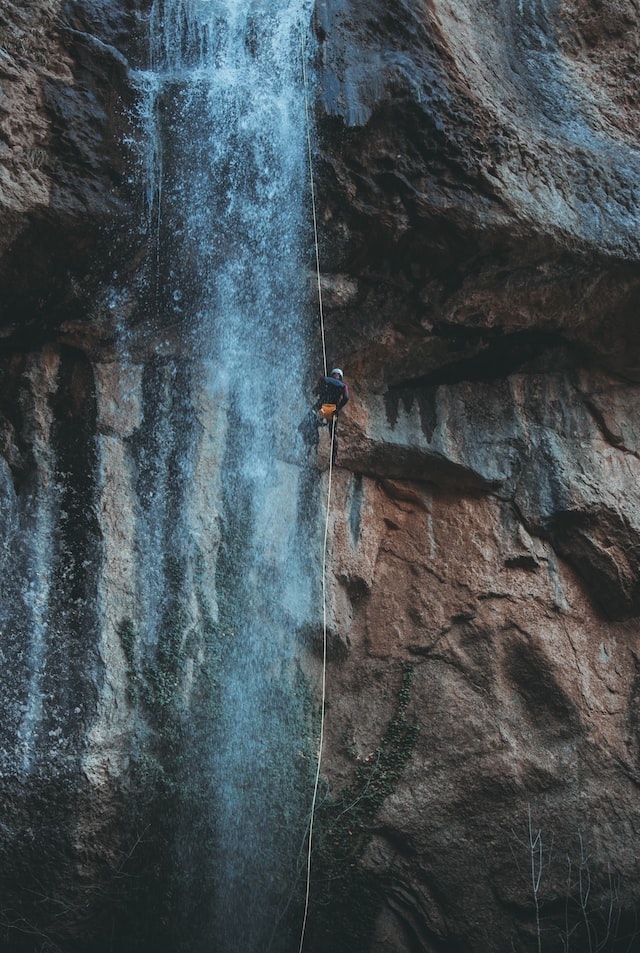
x=472 y=182
x=524 y=699
x=66 y=113
x=479 y=194
x=478 y=182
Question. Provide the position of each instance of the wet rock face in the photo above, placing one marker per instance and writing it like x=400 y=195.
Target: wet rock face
x=78 y=785
x=66 y=93
x=479 y=184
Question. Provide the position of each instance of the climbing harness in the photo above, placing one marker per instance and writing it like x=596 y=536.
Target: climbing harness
x=327 y=412
x=326 y=524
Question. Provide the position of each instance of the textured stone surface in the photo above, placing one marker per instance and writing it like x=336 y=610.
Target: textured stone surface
x=474 y=184
x=64 y=117
x=478 y=173
x=479 y=176
x=523 y=695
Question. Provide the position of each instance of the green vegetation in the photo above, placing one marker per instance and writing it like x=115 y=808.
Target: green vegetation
x=346 y=897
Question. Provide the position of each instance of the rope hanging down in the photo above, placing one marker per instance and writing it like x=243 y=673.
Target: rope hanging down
x=313 y=204
x=324 y=692
x=328 y=505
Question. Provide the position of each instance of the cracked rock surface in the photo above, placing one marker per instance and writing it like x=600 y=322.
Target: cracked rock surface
x=480 y=175
x=478 y=181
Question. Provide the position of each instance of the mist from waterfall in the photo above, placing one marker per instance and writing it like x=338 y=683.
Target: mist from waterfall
x=226 y=184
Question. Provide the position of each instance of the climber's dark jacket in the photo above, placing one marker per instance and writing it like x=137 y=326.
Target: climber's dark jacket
x=330 y=390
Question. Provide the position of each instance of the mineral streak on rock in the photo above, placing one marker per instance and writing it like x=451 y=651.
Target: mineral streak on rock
x=478 y=180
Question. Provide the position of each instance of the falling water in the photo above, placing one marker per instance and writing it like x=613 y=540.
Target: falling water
x=36 y=598
x=226 y=181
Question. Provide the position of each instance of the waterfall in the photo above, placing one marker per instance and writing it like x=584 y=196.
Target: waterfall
x=226 y=185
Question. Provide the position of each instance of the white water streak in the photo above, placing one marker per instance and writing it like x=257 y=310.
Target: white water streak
x=227 y=188
x=36 y=598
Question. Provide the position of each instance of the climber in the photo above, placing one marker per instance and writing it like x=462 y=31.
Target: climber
x=332 y=393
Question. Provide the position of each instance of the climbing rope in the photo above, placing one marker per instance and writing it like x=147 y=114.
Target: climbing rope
x=326 y=523
x=323 y=694
x=313 y=201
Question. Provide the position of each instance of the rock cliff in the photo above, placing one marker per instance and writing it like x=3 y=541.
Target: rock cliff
x=478 y=180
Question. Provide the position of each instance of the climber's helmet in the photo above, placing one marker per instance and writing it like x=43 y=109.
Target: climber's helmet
x=336 y=372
